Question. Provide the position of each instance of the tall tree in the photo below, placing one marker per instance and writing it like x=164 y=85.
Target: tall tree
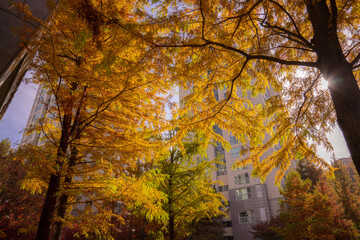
x=103 y=112
x=189 y=190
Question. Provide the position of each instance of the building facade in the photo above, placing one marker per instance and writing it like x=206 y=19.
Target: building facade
x=249 y=200
x=38 y=111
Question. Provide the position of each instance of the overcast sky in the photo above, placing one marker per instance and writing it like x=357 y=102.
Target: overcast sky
x=15 y=118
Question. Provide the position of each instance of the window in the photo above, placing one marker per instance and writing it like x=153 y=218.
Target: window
x=235 y=152
x=43 y=91
x=38 y=107
x=225 y=95
x=36 y=116
x=216 y=94
x=246 y=217
x=217 y=129
x=227 y=224
x=233 y=139
x=219 y=152
x=221 y=169
x=41 y=99
x=243 y=193
x=240 y=168
x=262 y=214
x=223 y=188
x=258 y=191
x=277 y=147
x=241 y=179
x=267 y=95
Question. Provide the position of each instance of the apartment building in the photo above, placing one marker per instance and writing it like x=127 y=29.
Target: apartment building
x=249 y=200
x=38 y=110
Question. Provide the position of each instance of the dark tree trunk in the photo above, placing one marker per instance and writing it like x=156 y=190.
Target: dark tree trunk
x=64 y=197
x=170 y=197
x=346 y=98
x=338 y=72
x=73 y=130
x=61 y=214
x=171 y=227
x=48 y=210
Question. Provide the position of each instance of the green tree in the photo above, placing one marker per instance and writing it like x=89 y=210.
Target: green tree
x=311 y=215
x=189 y=190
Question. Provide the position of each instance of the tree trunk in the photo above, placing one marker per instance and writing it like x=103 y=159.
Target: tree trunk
x=171 y=227
x=346 y=99
x=64 y=197
x=61 y=214
x=338 y=72
x=170 y=198
x=48 y=210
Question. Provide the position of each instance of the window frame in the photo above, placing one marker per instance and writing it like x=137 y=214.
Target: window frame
x=246 y=219
x=243 y=194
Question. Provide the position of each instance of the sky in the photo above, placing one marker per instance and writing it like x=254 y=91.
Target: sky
x=16 y=116
x=14 y=120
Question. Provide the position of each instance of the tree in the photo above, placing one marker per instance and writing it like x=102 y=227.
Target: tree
x=103 y=113
x=309 y=170
x=265 y=229
x=348 y=191
x=137 y=227
x=207 y=229
x=18 y=207
x=188 y=187
x=311 y=215
x=249 y=46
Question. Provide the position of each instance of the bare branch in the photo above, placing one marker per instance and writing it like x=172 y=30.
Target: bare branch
x=264 y=57
x=305 y=97
x=291 y=19
x=355 y=60
x=290 y=34
x=241 y=15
